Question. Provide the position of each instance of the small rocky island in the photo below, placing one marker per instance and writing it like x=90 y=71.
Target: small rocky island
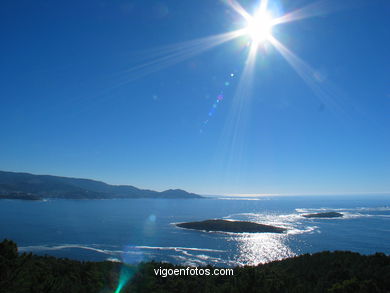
x=231 y=226
x=324 y=215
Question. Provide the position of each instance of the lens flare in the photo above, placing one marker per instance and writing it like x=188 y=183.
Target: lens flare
x=257 y=26
x=217 y=101
x=125 y=275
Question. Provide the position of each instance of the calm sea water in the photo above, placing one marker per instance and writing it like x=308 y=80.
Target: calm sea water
x=134 y=230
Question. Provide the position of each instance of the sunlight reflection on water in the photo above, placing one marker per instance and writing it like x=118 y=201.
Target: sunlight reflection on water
x=254 y=249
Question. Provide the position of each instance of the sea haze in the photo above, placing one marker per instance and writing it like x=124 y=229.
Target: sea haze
x=134 y=230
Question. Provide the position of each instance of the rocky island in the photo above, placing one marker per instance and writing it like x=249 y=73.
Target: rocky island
x=231 y=226
x=324 y=215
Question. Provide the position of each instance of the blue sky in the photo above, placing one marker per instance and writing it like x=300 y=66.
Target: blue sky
x=74 y=104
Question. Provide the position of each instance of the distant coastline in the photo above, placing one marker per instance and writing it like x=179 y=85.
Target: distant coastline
x=26 y=186
x=20 y=196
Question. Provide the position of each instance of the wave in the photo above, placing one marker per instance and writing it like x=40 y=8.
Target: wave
x=296 y=224
x=184 y=255
x=127 y=250
x=68 y=246
x=358 y=209
x=348 y=213
x=189 y=262
x=293 y=222
x=113 y=259
x=177 y=248
x=239 y=198
x=308 y=229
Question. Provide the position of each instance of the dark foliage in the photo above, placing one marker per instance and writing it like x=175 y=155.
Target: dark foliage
x=321 y=272
x=324 y=215
x=19 y=195
x=231 y=226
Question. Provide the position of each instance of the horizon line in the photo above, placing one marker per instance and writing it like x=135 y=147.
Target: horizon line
x=204 y=194
x=254 y=195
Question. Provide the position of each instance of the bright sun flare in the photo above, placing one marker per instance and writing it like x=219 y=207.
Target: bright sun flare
x=259 y=27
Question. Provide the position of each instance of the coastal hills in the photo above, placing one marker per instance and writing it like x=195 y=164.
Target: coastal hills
x=14 y=185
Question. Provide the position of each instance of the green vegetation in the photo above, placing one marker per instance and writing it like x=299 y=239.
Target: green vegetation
x=20 y=195
x=320 y=272
x=324 y=215
x=231 y=226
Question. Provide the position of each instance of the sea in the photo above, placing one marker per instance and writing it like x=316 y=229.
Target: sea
x=137 y=230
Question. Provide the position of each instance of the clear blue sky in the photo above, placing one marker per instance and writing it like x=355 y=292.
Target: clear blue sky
x=70 y=106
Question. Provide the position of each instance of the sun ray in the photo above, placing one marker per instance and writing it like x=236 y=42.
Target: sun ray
x=263 y=6
x=173 y=54
x=163 y=57
x=315 y=9
x=232 y=143
x=308 y=75
x=258 y=28
x=239 y=9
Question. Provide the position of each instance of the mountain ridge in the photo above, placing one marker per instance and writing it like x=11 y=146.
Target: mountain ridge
x=20 y=184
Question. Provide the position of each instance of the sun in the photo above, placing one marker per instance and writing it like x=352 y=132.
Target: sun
x=259 y=27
